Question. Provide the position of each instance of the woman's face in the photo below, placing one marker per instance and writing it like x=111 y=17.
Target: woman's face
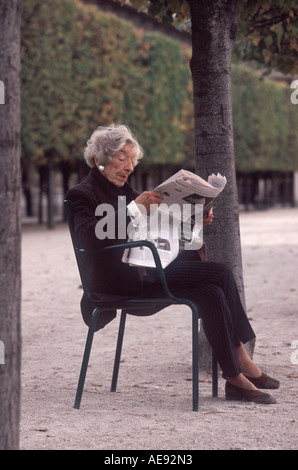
x=118 y=170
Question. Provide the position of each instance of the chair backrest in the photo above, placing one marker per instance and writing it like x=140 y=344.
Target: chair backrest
x=78 y=251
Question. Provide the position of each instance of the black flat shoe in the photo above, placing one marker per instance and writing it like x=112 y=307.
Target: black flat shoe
x=264 y=381
x=240 y=394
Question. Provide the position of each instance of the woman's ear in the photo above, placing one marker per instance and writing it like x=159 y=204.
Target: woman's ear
x=100 y=167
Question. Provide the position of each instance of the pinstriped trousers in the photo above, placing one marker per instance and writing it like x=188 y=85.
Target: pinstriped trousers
x=212 y=286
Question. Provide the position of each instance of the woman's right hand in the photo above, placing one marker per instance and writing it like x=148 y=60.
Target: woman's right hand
x=149 y=198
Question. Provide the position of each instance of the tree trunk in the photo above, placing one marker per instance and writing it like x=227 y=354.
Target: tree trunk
x=66 y=169
x=50 y=202
x=213 y=31
x=43 y=178
x=10 y=224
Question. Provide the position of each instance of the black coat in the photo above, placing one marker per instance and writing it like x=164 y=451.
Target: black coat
x=106 y=274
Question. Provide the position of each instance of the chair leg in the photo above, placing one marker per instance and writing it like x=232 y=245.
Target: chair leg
x=118 y=351
x=195 y=360
x=214 y=376
x=85 y=360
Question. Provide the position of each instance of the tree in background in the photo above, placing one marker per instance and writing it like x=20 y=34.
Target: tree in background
x=261 y=104
x=82 y=68
x=268 y=29
x=268 y=32
x=47 y=44
x=92 y=68
x=10 y=231
x=166 y=93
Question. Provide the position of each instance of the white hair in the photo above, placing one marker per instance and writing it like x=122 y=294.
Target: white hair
x=105 y=142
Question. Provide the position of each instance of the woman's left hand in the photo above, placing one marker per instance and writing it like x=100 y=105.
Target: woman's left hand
x=207 y=220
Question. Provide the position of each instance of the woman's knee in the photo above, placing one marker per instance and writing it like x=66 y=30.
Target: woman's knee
x=222 y=274
x=212 y=299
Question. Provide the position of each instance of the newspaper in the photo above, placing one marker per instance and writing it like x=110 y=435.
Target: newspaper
x=177 y=224
x=187 y=187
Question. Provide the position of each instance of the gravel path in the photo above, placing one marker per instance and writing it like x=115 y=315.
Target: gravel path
x=152 y=408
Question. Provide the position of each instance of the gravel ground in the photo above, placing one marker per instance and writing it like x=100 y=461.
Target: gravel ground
x=152 y=408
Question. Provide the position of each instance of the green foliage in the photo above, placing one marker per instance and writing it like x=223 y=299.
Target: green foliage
x=168 y=11
x=46 y=51
x=165 y=94
x=82 y=68
x=103 y=72
x=265 y=123
x=269 y=32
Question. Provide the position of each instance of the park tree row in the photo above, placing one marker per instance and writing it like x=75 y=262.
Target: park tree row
x=82 y=68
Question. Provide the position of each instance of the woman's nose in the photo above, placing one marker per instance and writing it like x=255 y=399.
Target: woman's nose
x=129 y=165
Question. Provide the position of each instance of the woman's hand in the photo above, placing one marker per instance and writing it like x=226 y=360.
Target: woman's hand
x=207 y=219
x=148 y=198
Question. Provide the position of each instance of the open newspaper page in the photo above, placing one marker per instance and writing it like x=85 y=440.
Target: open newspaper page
x=186 y=187
x=177 y=224
x=162 y=236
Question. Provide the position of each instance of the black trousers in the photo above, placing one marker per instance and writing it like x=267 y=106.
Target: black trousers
x=212 y=286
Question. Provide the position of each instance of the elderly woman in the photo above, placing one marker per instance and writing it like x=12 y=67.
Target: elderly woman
x=112 y=153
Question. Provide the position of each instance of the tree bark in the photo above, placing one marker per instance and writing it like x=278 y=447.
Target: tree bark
x=213 y=32
x=10 y=186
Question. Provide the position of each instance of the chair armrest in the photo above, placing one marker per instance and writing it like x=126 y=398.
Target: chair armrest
x=135 y=244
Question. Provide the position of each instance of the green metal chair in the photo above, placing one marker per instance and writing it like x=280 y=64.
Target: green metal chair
x=137 y=306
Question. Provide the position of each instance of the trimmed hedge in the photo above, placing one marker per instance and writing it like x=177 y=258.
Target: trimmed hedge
x=82 y=68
